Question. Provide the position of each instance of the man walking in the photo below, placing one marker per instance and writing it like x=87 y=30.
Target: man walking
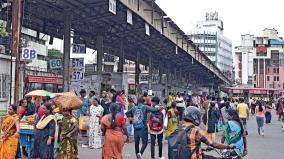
x=156 y=128
x=139 y=120
x=180 y=104
x=243 y=112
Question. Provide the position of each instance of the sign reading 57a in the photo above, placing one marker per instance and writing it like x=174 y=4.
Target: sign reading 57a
x=29 y=54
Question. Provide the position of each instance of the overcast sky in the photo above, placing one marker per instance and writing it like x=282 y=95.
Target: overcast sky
x=239 y=16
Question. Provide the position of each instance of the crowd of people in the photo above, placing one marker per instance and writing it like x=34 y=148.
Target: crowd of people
x=109 y=120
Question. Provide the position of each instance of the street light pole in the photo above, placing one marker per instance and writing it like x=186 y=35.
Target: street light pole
x=17 y=6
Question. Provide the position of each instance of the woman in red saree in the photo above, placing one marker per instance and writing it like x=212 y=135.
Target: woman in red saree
x=9 y=136
x=113 y=128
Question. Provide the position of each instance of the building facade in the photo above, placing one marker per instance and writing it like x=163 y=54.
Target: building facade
x=29 y=38
x=260 y=60
x=209 y=38
x=35 y=40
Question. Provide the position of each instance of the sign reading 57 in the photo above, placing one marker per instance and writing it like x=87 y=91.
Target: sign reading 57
x=29 y=54
x=77 y=75
x=78 y=62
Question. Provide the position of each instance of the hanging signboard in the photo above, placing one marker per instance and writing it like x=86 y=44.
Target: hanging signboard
x=176 y=49
x=112 y=6
x=29 y=54
x=77 y=63
x=144 y=77
x=77 y=75
x=147 y=29
x=78 y=70
x=79 y=49
x=55 y=63
x=129 y=17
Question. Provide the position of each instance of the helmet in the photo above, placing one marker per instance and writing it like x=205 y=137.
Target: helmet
x=156 y=100
x=193 y=115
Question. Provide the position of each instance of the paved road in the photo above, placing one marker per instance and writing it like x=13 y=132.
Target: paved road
x=271 y=146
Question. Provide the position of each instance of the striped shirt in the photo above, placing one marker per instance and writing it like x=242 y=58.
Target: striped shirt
x=196 y=136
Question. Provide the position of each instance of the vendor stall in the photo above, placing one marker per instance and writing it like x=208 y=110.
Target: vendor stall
x=27 y=134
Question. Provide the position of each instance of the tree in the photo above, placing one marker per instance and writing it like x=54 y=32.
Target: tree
x=3 y=32
x=55 y=54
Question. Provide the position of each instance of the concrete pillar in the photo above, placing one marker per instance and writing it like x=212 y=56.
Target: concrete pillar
x=175 y=77
x=121 y=57
x=150 y=81
x=160 y=74
x=264 y=72
x=66 y=50
x=257 y=73
x=100 y=54
x=137 y=72
x=167 y=79
x=180 y=78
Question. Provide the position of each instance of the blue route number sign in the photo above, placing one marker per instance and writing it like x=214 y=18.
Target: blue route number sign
x=29 y=54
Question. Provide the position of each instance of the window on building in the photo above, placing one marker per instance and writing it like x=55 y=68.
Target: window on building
x=240 y=57
x=261 y=54
x=277 y=70
x=261 y=66
x=277 y=78
x=108 y=68
x=4 y=86
x=267 y=62
x=41 y=57
x=268 y=70
x=274 y=70
x=268 y=78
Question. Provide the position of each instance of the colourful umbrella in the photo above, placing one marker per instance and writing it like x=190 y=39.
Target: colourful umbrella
x=41 y=93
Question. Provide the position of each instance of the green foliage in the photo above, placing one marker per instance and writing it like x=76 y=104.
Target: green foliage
x=3 y=112
x=3 y=32
x=55 y=54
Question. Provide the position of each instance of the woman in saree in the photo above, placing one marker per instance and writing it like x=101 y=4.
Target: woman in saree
x=9 y=136
x=113 y=128
x=45 y=134
x=96 y=112
x=68 y=146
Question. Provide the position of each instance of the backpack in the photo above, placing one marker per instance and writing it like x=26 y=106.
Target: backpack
x=173 y=116
x=156 y=121
x=178 y=144
x=138 y=118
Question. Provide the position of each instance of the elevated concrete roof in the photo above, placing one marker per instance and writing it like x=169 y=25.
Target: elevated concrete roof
x=91 y=18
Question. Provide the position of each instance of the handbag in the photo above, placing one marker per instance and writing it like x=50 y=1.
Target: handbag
x=84 y=122
x=166 y=121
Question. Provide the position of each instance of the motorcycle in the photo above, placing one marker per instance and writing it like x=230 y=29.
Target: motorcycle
x=223 y=154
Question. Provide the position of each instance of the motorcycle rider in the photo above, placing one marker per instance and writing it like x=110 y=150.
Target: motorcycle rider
x=195 y=136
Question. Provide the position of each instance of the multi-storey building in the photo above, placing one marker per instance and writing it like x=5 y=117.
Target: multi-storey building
x=33 y=39
x=29 y=38
x=209 y=38
x=260 y=60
